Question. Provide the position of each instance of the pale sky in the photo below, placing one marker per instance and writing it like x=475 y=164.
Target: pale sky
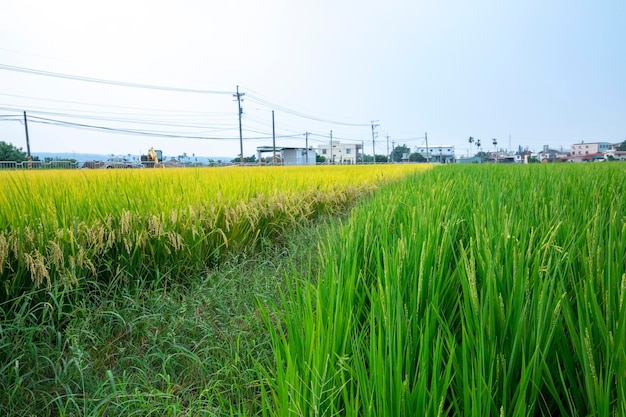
x=527 y=73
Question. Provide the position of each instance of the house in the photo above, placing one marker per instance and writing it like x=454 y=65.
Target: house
x=613 y=155
x=471 y=160
x=550 y=155
x=437 y=153
x=288 y=156
x=342 y=153
x=506 y=158
x=582 y=148
x=592 y=157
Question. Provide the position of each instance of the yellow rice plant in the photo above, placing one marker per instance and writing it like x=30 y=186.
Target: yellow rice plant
x=59 y=227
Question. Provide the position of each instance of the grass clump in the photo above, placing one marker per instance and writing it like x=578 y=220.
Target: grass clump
x=189 y=349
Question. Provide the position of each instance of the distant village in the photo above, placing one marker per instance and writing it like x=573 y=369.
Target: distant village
x=578 y=152
x=344 y=154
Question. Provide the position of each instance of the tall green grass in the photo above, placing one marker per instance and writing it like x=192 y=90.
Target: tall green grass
x=467 y=290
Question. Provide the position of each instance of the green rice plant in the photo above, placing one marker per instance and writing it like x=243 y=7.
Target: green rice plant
x=467 y=290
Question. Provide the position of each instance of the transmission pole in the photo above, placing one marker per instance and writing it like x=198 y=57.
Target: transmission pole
x=363 y=152
x=331 y=148
x=28 y=157
x=239 y=100
x=374 y=126
x=274 y=137
x=427 y=152
x=388 y=154
x=306 y=141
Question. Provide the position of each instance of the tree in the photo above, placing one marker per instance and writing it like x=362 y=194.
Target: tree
x=622 y=147
x=8 y=152
x=381 y=158
x=398 y=152
x=484 y=156
x=320 y=159
x=251 y=158
x=416 y=157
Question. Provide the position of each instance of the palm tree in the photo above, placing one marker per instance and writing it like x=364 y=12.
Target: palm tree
x=471 y=140
x=478 y=146
x=495 y=150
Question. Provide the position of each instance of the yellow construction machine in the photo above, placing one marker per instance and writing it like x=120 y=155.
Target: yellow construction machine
x=154 y=159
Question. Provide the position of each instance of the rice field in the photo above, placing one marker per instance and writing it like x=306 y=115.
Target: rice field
x=456 y=291
x=465 y=291
x=61 y=227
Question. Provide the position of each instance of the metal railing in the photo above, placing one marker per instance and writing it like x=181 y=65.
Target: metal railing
x=39 y=165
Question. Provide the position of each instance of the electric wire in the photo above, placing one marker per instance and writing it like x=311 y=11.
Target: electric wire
x=140 y=118
x=274 y=106
x=184 y=112
x=42 y=120
x=125 y=120
x=109 y=82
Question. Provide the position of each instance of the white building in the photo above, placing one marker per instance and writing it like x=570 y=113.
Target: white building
x=583 y=148
x=437 y=153
x=614 y=155
x=550 y=155
x=342 y=153
x=288 y=156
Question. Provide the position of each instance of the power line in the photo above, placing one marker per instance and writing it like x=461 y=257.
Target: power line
x=178 y=122
x=338 y=138
x=122 y=120
x=110 y=82
x=55 y=122
x=183 y=112
x=168 y=88
x=299 y=114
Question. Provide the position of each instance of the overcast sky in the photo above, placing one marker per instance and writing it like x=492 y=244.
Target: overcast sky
x=527 y=73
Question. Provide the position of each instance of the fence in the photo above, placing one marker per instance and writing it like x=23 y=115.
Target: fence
x=39 y=165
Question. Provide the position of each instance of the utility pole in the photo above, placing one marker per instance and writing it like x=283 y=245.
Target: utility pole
x=28 y=157
x=239 y=100
x=331 y=148
x=374 y=126
x=495 y=149
x=273 y=137
x=388 y=154
x=306 y=141
x=427 y=151
x=363 y=152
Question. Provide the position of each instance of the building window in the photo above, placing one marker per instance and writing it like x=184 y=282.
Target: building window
x=348 y=151
x=323 y=151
